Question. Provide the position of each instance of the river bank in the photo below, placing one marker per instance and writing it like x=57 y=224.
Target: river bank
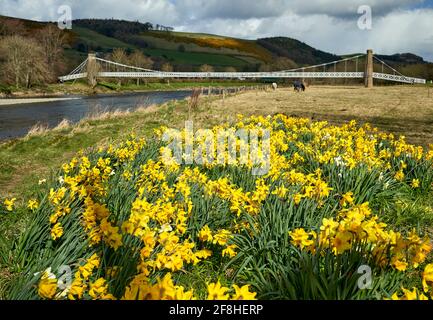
x=15 y=101
x=61 y=90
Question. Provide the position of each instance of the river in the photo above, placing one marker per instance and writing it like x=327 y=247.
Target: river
x=17 y=119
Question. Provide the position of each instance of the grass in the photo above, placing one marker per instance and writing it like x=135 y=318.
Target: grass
x=95 y=39
x=196 y=58
x=402 y=110
x=24 y=162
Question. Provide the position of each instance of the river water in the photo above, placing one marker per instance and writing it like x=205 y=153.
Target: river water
x=16 y=120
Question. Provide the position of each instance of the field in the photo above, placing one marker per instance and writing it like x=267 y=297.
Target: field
x=196 y=58
x=339 y=197
x=207 y=43
x=402 y=110
x=92 y=38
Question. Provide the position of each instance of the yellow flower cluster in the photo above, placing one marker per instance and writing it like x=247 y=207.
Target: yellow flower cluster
x=9 y=204
x=98 y=290
x=356 y=226
x=415 y=294
x=165 y=289
x=172 y=217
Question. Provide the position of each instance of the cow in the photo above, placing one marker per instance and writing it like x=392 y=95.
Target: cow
x=298 y=86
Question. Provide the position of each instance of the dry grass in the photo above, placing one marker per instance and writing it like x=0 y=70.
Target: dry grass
x=37 y=129
x=64 y=124
x=403 y=110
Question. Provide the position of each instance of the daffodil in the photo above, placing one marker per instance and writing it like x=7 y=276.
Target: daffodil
x=217 y=292
x=243 y=293
x=301 y=238
x=347 y=199
x=32 y=204
x=427 y=278
x=56 y=231
x=342 y=242
x=9 y=204
x=229 y=251
x=47 y=286
x=415 y=183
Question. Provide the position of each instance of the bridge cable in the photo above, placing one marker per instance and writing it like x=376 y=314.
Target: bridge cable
x=384 y=63
x=125 y=66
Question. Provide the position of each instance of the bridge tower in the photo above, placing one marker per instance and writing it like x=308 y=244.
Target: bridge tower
x=369 y=69
x=92 y=70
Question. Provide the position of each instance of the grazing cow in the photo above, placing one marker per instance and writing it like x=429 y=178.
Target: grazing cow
x=298 y=86
x=274 y=86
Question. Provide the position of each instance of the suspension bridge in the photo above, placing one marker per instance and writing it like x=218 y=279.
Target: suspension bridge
x=356 y=67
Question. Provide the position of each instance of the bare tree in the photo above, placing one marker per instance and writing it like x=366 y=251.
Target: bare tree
x=23 y=61
x=283 y=63
x=10 y=27
x=52 y=40
x=119 y=55
x=167 y=67
x=138 y=59
x=279 y=64
x=206 y=68
x=230 y=69
x=265 y=68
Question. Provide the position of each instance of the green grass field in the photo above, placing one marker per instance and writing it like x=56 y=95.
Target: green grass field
x=196 y=58
x=96 y=39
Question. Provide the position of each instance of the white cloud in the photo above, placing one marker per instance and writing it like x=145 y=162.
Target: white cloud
x=329 y=25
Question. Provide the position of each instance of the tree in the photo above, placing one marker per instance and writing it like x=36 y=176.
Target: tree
x=206 y=68
x=283 y=63
x=10 y=27
x=138 y=59
x=265 y=68
x=52 y=40
x=230 y=69
x=119 y=55
x=167 y=67
x=23 y=61
x=280 y=64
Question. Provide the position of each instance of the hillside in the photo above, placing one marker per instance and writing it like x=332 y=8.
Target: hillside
x=296 y=50
x=188 y=51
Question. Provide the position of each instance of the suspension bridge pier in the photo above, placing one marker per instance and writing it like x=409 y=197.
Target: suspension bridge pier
x=369 y=69
x=92 y=70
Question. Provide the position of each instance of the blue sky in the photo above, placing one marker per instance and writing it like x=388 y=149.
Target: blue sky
x=397 y=25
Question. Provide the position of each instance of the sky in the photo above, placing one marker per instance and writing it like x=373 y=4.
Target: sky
x=397 y=26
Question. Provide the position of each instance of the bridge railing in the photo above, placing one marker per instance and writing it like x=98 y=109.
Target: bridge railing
x=397 y=78
x=231 y=75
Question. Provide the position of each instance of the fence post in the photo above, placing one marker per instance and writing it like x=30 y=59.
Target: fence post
x=369 y=70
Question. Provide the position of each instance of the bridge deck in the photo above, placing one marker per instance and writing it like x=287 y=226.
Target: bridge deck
x=245 y=75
